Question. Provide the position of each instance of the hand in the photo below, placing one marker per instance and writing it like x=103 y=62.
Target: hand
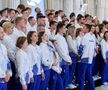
x=55 y=63
x=70 y=63
x=7 y=78
x=24 y=87
x=105 y=61
x=43 y=76
x=32 y=80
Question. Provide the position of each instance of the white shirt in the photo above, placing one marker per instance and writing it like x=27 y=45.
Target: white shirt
x=31 y=28
x=23 y=66
x=46 y=55
x=78 y=40
x=17 y=33
x=104 y=48
x=72 y=44
x=35 y=55
x=11 y=48
x=89 y=45
x=62 y=47
x=5 y=67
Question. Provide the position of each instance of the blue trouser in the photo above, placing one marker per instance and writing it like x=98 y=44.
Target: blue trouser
x=56 y=82
x=19 y=85
x=11 y=84
x=45 y=82
x=36 y=84
x=95 y=67
x=72 y=67
x=3 y=86
x=85 y=70
x=65 y=75
x=105 y=73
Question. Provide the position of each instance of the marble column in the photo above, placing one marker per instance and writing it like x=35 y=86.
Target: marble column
x=24 y=2
x=55 y=4
x=106 y=10
x=91 y=7
x=77 y=6
x=3 y=4
x=68 y=7
x=101 y=9
x=13 y=3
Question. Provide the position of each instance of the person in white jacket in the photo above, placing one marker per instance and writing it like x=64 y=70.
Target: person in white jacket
x=23 y=65
x=5 y=67
x=63 y=52
x=56 y=82
x=73 y=52
x=35 y=54
x=104 y=49
x=87 y=52
x=47 y=61
x=11 y=50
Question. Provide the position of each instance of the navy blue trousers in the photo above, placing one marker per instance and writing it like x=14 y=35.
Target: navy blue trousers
x=85 y=71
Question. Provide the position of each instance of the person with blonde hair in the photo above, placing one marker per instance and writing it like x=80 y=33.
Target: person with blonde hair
x=72 y=44
x=11 y=49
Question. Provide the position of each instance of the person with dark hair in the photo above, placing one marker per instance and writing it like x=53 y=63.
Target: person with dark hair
x=5 y=66
x=52 y=25
x=72 y=18
x=11 y=15
x=32 y=26
x=25 y=13
x=50 y=17
x=23 y=65
x=80 y=21
x=34 y=52
x=20 y=7
x=79 y=35
x=104 y=49
x=46 y=59
x=63 y=52
x=87 y=52
x=4 y=13
x=41 y=20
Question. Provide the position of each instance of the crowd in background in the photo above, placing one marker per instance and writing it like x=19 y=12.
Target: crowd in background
x=52 y=51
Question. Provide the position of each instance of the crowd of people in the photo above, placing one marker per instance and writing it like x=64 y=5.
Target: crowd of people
x=51 y=51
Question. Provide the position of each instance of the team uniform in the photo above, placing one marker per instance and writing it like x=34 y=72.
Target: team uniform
x=34 y=53
x=64 y=54
x=73 y=52
x=104 y=48
x=24 y=69
x=46 y=65
x=5 y=67
x=87 y=51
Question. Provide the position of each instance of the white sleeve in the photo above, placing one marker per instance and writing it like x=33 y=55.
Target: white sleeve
x=103 y=48
x=63 y=55
x=20 y=66
x=29 y=53
x=70 y=44
x=44 y=58
x=9 y=70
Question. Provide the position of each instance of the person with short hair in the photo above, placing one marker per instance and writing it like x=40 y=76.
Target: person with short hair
x=23 y=65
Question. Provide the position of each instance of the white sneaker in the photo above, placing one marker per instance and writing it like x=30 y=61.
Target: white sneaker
x=95 y=78
x=105 y=83
x=71 y=86
x=98 y=77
